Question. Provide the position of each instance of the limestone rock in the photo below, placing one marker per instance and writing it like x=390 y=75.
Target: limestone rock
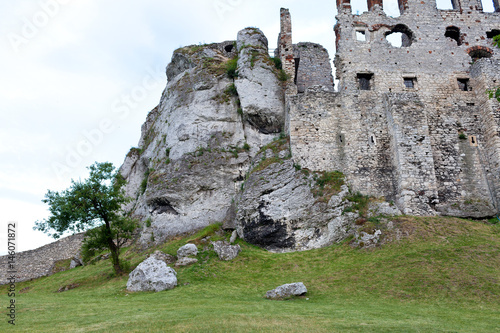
x=185 y=261
x=152 y=275
x=226 y=251
x=234 y=235
x=278 y=210
x=75 y=262
x=191 y=160
x=287 y=290
x=259 y=89
x=187 y=250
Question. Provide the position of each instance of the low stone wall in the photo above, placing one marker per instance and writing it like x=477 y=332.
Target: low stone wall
x=39 y=262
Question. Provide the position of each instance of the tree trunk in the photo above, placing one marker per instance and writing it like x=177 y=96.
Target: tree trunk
x=114 y=250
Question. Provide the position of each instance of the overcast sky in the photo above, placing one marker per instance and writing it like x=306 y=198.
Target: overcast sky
x=78 y=78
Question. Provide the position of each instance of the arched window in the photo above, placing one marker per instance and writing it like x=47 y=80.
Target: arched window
x=399 y=36
x=454 y=33
x=478 y=52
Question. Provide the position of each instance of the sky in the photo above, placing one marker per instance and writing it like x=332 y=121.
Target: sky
x=78 y=78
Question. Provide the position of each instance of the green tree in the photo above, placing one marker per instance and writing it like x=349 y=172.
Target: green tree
x=495 y=93
x=94 y=205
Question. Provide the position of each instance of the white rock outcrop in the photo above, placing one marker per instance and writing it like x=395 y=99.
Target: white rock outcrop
x=152 y=275
x=187 y=250
x=287 y=290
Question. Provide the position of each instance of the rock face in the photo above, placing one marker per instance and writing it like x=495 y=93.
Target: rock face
x=225 y=251
x=260 y=91
x=283 y=209
x=187 y=250
x=152 y=275
x=195 y=146
x=287 y=290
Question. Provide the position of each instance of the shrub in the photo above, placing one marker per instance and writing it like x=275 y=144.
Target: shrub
x=283 y=76
x=231 y=90
x=231 y=68
x=462 y=136
x=277 y=63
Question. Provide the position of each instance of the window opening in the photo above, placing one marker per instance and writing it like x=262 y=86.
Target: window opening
x=488 y=6
x=492 y=33
x=399 y=36
x=391 y=8
x=409 y=82
x=478 y=53
x=364 y=81
x=360 y=35
x=463 y=84
x=445 y=4
x=453 y=33
x=228 y=48
x=473 y=140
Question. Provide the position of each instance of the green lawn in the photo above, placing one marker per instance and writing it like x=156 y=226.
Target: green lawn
x=443 y=277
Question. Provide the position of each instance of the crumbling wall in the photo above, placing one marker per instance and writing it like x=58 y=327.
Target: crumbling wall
x=313 y=66
x=415 y=122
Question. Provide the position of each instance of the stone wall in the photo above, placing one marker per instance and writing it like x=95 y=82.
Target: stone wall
x=39 y=262
x=313 y=66
x=410 y=122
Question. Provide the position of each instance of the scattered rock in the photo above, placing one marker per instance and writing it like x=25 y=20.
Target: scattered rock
x=187 y=250
x=152 y=275
x=287 y=290
x=75 y=262
x=166 y=258
x=186 y=261
x=225 y=251
x=68 y=287
x=234 y=235
x=24 y=290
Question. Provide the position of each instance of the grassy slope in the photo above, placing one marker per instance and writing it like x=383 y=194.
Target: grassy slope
x=444 y=277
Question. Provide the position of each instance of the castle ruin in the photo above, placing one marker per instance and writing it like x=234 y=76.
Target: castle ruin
x=410 y=123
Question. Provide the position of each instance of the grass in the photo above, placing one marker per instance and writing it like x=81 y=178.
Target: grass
x=442 y=277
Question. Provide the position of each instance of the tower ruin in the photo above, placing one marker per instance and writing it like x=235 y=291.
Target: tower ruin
x=411 y=123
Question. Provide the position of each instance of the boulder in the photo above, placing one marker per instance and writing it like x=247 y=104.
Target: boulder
x=234 y=235
x=75 y=262
x=187 y=250
x=186 y=261
x=287 y=290
x=225 y=251
x=152 y=275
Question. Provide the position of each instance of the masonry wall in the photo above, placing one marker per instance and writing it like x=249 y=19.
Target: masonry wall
x=39 y=262
x=414 y=133
x=313 y=66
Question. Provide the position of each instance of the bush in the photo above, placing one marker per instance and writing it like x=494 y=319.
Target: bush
x=231 y=68
x=277 y=63
x=283 y=76
x=462 y=136
x=231 y=90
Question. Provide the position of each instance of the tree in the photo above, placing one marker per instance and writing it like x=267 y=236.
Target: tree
x=94 y=204
x=495 y=92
